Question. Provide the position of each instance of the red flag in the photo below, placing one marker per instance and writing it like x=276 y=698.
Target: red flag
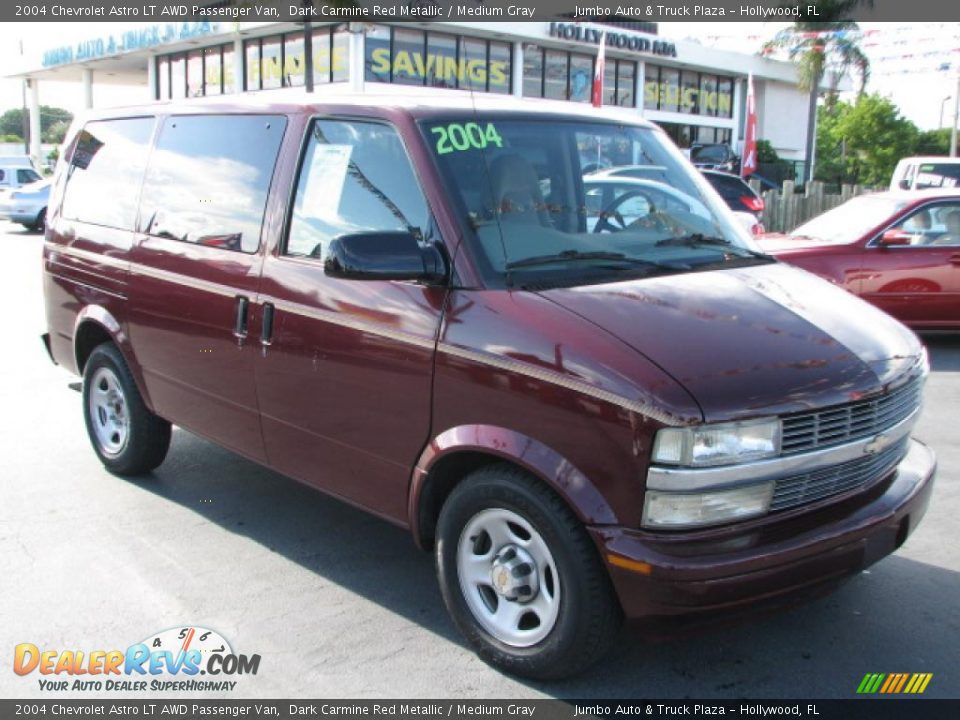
x=749 y=163
x=596 y=96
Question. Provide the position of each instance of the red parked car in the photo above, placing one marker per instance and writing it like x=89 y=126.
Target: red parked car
x=898 y=250
x=400 y=301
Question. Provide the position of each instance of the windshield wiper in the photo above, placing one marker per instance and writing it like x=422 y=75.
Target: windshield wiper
x=575 y=255
x=696 y=240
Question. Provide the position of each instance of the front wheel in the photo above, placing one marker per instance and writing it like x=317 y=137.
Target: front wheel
x=521 y=578
x=40 y=224
x=127 y=437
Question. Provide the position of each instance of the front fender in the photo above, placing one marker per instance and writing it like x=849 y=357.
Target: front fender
x=540 y=460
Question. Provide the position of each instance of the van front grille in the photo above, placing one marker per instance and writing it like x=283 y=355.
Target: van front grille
x=853 y=421
x=807 y=488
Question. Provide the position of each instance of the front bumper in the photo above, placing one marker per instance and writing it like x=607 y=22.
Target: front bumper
x=21 y=215
x=778 y=558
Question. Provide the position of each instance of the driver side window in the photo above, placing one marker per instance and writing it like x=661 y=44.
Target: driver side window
x=355 y=177
x=933 y=225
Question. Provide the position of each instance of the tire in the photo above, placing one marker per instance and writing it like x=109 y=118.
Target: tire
x=127 y=437
x=557 y=618
x=40 y=224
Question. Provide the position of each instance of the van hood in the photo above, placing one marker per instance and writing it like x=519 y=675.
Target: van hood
x=761 y=340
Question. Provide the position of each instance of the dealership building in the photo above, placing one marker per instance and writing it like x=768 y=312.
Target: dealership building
x=696 y=93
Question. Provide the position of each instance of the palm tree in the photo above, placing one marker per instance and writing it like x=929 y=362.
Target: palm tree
x=819 y=48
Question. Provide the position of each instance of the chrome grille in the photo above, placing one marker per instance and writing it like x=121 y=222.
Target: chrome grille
x=853 y=421
x=810 y=487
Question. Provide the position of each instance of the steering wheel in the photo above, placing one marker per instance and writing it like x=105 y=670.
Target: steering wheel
x=611 y=213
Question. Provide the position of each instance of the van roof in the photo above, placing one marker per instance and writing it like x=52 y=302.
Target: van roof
x=942 y=159
x=418 y=102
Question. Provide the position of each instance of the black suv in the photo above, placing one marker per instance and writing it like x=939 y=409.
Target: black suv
x=714 y=157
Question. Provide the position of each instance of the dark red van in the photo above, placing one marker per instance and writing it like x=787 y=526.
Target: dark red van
x=592 y=405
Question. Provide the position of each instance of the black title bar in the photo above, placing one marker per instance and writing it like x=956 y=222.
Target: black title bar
x=470 y=10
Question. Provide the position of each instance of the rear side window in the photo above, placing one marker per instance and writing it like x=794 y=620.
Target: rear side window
x=105 y=172
x=26 y=176
x=355 y=177
x=209 y=178
x=730 y=188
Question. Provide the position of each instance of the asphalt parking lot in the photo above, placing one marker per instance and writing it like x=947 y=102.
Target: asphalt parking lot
x=341 y=605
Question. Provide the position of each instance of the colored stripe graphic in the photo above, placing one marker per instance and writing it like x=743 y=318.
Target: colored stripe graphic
x=894 y=683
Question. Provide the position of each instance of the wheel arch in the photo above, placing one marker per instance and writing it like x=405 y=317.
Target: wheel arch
x=95 y=325
x=457 y=452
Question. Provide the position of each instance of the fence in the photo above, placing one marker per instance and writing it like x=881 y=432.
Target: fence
x=786 y=209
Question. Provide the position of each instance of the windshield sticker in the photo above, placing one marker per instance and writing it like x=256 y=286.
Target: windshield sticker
x=457 y=137
x=325 y=180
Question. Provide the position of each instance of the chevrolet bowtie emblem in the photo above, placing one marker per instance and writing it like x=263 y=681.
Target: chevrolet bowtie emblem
x=878 y=444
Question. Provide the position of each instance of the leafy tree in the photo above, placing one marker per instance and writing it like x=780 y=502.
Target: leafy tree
x=11 y=122
x=56 y=132
x=818 y=48
x=933 y=142
x=766 y=153
x=861 y=142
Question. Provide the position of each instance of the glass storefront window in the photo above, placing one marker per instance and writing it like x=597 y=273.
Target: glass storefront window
x=532 y=71
x=689 y=92
x=669 y=89
x=178 y=77
x=252 y=64
x=500 y=69
x=442 y=68
x=725 y=97
x=377 y=62
x=626 y=83
x=321 y=56
x=195 y=74
x=555 y=75
x=651 y=87
x=163 y=78
x=229 y=79
x=294 y=62
x=610 y=82
x=581 y=78
x=473 y=55
x=271 y=63
x=212 y=71
x=708 y=94
x=408 y=57
x=340 y=55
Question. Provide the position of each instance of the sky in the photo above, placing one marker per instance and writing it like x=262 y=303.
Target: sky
x=914 y=64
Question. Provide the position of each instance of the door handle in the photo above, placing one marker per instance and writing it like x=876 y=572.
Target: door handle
x=955 y=259
x=242 y=316
x=266 y=327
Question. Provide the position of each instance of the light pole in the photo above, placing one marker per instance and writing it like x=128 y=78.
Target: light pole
x=943 y=104
x=956 y=117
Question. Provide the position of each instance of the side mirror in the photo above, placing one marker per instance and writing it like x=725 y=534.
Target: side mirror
x=904 y=184
x=384 y=256
x=895 y=237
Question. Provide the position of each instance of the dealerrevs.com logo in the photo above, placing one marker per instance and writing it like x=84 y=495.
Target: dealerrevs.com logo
x=179 y=659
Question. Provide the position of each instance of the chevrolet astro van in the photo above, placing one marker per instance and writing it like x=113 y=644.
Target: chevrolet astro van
x=590 y=405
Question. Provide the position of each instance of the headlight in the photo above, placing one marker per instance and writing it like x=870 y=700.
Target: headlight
x=717 y=444
x=683 y=510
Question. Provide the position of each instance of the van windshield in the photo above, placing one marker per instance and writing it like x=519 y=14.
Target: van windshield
x=937 y=175
x=538 y=217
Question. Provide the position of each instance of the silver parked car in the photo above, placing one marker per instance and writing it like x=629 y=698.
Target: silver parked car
x=27 y=205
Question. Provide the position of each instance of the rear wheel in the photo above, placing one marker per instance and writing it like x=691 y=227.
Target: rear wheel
x=127 y=437
x=521 y=578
